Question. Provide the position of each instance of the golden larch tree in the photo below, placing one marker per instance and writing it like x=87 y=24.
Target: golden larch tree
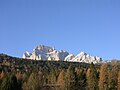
x=103 y=77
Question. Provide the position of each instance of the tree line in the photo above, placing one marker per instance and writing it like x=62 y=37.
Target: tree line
x=23 y=74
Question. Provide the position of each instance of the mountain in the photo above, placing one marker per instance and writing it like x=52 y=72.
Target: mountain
x=46 y=53
x=84 y=57
x=43 y=52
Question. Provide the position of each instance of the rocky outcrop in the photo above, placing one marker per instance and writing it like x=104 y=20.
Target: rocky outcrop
x=69 y=57
x=26 y=55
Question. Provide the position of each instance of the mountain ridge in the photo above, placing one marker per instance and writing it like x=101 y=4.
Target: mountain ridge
x=42 y=52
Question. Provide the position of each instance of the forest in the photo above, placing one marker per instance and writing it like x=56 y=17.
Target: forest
x=25 y=74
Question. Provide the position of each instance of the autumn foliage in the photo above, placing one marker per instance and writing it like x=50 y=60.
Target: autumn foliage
x=21 y=74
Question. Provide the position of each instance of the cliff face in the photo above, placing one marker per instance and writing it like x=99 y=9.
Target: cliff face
x=45 y=53
x=42 y=52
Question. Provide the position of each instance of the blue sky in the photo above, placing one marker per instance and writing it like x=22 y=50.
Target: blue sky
x=92 y=26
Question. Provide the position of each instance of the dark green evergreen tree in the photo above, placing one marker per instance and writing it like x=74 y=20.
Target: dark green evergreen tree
x=80 y=79
x=70 y=78
x=92 y=78
x=10 y=83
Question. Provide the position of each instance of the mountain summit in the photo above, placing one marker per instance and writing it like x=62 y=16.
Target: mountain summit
x=45 y=53
x=42 y=52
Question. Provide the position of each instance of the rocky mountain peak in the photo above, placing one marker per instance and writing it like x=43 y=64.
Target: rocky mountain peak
x=43 y=52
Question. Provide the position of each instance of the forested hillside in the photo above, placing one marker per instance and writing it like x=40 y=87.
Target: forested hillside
x=25 y=74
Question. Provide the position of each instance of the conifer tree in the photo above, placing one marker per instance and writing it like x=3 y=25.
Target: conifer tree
x=92 y=80
x=80 y=79
x=10 y=83
x=118 y=81
x=70 y=78
x=61 y=80
x=52 y=75
x=113 y=76
x=35 y=81
x=103 y=77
